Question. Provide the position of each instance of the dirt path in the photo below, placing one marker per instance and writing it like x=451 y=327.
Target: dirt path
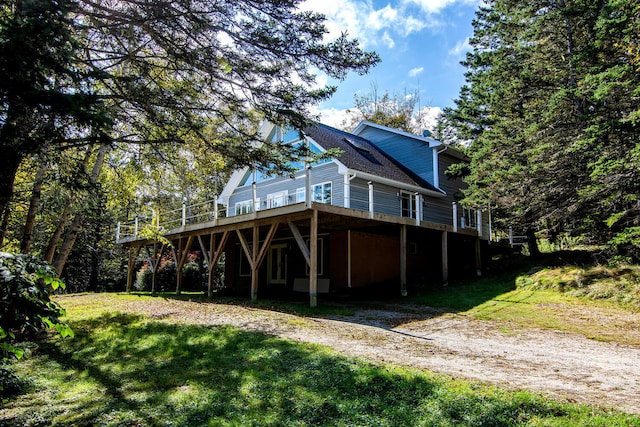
x=566 y=366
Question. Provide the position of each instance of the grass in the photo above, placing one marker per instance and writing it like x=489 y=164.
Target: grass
x=599 y=302
x=125 y=370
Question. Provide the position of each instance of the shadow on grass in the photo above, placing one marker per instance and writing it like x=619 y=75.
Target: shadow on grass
x=422 y=304
x=136 y=372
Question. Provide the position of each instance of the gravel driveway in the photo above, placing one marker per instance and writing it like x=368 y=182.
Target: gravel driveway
x=562 y=365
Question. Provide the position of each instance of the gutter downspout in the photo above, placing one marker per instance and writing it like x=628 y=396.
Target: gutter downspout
x=436 y=166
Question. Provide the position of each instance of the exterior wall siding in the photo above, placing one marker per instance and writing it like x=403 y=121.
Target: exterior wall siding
x=412 y=154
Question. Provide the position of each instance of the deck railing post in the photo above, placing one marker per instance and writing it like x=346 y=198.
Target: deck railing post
x=455 y=216
x=371 y=208
x=135 y=227
x=307 y=191
x=479 y=222
x=254 y=198
x=418 y=208
x=118 y=232
x=215 y=209
x=347 y=191
x=184 y=213
x=490 y=227
x=511 y=236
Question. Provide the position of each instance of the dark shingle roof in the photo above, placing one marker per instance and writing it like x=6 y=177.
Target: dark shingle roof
x=361 y=155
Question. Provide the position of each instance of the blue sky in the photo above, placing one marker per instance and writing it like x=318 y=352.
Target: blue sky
x=420 y=42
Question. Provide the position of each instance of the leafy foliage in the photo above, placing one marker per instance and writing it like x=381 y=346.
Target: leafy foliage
x=25 y=301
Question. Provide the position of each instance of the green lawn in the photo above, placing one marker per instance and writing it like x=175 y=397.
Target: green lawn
x=124 y=370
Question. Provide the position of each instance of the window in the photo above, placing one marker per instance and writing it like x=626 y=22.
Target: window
x=407 y=205
x=300 y=195
x=275 y=200
x=468 y=219
x=245 y=207
x=321 y=193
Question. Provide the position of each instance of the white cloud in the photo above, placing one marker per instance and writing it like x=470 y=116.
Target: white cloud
x=460 y=48
x=416 y=71
x=436 y=6
x=427 y=118
x=387 y=40
x=382 y=18
x=331 y=116
x=373 y=27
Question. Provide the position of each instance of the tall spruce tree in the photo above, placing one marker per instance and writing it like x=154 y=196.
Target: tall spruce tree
x=550 y=106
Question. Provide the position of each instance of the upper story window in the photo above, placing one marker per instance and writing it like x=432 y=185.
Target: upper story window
x=275 y=200
x=246 y=206
x=259 y=176
x=407 y=204
x=468 y=218
x=321 y=193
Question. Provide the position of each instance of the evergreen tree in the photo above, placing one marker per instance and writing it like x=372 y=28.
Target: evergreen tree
x=550 y=105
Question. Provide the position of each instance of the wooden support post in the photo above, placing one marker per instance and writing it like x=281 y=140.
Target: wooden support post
x=180 y=257
x=478 y=258
x=348 y=258
x=445 y=258
x=313 y=267
x=133 y=255
x=403 y=260
x=212 y=261
x=254 y=267
x=154 y=262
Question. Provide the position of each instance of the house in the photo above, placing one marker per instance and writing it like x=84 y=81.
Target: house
x=380 y=214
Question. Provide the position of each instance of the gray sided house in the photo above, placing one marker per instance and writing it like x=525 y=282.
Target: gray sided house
x=380 y=216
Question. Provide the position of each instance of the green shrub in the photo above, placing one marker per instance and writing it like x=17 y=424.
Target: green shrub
x=25 y=304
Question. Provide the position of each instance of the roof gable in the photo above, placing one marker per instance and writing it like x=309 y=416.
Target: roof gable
x=359 y=154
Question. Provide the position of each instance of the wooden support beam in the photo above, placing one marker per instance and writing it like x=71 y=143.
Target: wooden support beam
x=254 y=263
x=300 y=241
x=203 y=248
x=134 y=252
x=313 y=265
x=154 y=262
x=403 y=260
x=445 y=258
x=266 y=243
x=478 y=258
x=245 y=247
x=216 y=252
x=256 y=254
x=180 y=257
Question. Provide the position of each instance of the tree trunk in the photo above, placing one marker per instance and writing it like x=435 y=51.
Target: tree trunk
x=67 y=244
x=53 y=241
x=5 y=224
x=27 y=235
x=76 y=225
x=9 y=163
x=532 y=242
